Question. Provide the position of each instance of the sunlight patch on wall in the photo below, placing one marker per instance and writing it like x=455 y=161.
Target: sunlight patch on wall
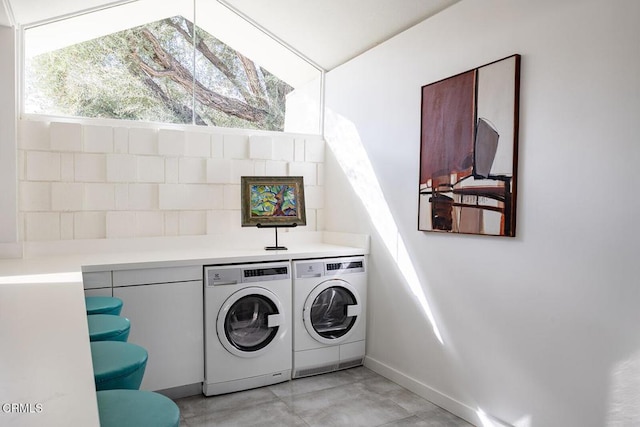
x=342 y=137
x=624 y=393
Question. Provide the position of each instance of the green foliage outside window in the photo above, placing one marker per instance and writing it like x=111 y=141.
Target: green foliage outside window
x=152 y=73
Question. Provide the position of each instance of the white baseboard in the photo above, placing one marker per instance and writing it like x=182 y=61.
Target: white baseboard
x=434 y=396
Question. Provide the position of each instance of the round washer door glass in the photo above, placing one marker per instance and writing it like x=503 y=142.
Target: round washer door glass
x=329 y=312
x=247 y=323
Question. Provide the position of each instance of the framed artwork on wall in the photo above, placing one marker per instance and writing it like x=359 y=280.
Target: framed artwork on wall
x=469 y=151
x=272 y=201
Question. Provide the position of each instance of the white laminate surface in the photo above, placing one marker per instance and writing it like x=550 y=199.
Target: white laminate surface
x=46 y=375
x=66 y=261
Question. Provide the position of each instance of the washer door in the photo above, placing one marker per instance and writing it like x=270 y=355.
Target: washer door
x=331 y=311
x=250 y=321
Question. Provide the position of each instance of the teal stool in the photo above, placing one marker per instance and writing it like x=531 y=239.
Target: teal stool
x=108 y=327
x=136 y=408
x=118 y=365
x=103 y=305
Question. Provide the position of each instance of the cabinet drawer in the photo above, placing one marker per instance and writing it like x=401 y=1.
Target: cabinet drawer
x=96 y=280
x=147 y=276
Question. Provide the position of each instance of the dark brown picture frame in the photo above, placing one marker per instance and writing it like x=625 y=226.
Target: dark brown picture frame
x=273 y=201
x=469 y=151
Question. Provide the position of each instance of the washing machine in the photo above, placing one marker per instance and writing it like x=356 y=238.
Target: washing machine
x=329 y=314
x=247 y=326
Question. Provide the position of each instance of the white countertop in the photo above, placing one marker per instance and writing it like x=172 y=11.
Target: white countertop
x=46 y=374
x=65 y=261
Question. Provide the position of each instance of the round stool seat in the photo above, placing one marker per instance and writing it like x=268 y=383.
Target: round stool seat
x=108 y=327
x=136 y=408
x=118 y=365
x=103 y=305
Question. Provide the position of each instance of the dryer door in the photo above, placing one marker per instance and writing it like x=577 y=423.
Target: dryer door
x=250 y=321
x=331 y=311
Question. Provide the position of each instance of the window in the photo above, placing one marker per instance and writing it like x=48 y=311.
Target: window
x=176 y=68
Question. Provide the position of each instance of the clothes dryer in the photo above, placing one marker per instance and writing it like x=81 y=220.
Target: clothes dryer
x=329 y=309
x=247 y=326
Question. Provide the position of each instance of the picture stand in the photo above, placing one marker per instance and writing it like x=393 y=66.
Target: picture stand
x=275 y=227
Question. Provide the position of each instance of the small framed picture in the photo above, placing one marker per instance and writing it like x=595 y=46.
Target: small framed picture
x=273 y=201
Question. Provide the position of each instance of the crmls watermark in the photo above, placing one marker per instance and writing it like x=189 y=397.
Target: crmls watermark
x=21 y=408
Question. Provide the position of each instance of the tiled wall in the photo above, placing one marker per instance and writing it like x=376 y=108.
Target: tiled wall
x=86 y=181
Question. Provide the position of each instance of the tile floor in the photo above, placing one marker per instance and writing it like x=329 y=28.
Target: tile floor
x=351 y=398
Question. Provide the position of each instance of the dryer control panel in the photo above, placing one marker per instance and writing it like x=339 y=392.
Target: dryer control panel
x=231 y=275
x=334 y=266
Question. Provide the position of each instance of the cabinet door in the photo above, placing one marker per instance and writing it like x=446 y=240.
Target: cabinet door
x=167 y=320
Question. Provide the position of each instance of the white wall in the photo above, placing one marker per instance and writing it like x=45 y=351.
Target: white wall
x=8 y=210
x=540 y=329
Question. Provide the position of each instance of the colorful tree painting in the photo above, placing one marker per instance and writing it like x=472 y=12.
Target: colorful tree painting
x=273 y=200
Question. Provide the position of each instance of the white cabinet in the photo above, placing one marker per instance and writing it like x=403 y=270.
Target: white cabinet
x=167 y=320
x=97 y=283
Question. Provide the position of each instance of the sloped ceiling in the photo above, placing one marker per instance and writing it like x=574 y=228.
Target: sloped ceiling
x=327 y=32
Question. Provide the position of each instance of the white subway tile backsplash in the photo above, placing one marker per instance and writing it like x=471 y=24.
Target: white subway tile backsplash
x=150 y=169
x=98 y=139
x=99 y=197
x=222 y=221
x=193 y=170
x=260 y=147
x=67 y=167
x=172 y=170
x=311 y=221
x=143 y=197
x=121 y=140
x=236 y=146
x=298 y=150
x=314 y=197
x=149 y=224
x=33 y=135
x=65 y=136
x=43 y=166
x=232 y=197
x=22 y=165
x=42 y=226
x=259 y=168
x=89 y=225
x=66 y=196
x=35 y=196
x=218 y=171
x=172 y=223
x=120 y=225
x=193 y=223
x=307 y=170
x=240 y=168
x=93 y=182
x=320 y=171
x=171 y=142
x=121 y=168
x=143 y=141
x=190 y=196
x=283 y=148
x=320 y=219
x=198 y=144
x=217 y=146
x=314 y=150
x=66 y=226
x=274 y=168
x=121 y=195
x=90 y=167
